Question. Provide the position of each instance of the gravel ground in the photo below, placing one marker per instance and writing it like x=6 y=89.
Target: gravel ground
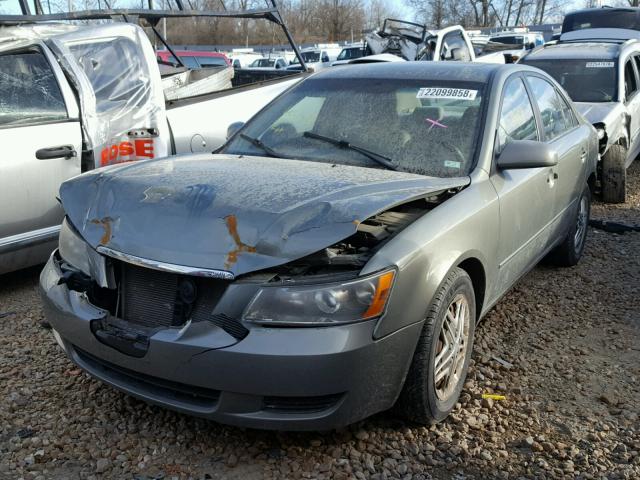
x=563 y=347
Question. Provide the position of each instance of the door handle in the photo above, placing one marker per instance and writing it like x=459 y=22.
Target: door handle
x=583 y=156
x=64 y=151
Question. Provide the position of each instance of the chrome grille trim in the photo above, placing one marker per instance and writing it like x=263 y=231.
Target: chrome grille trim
x=166 y=267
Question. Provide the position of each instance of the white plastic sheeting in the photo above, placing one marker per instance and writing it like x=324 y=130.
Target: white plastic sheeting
x=114 y=71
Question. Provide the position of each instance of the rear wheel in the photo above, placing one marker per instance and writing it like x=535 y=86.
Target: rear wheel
x=569 y=252
x=614 y=174
x=441 y=360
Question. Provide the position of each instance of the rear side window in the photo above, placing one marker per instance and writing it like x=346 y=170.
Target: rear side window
x=517 y=121
x=29 y=91
x=211 y=61
x=557 y=118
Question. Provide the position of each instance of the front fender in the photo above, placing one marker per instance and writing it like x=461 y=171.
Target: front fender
x=464 y=226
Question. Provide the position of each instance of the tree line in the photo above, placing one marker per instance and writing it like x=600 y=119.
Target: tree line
x=315 y=21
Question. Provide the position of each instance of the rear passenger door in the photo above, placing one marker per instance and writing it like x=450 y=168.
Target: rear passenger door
x=41 y=144
x=560 y=129
x=526 y=195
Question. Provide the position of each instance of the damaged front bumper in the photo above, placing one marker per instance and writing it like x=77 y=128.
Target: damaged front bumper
x=275 y=378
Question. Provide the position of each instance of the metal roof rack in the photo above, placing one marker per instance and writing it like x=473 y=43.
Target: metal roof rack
x=271 y=13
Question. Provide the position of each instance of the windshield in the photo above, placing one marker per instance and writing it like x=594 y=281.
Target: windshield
x=349 y=53
x=511 y=40
x=398 y=27
x=263 y=62
x=417 y=126
x=584 y=80
x=309 y=57
x=601 y=18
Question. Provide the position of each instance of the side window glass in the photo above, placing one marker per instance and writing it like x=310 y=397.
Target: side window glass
x=553 y=109
x=211 y=61
x=517 y=121
x=455 y=48
x=630 y=83
x=465 y=55
x=30 y=91
x=103 y=62
x=636 y=59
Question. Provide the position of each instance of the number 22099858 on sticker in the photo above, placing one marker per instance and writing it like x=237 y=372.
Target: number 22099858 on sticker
x=447 y=93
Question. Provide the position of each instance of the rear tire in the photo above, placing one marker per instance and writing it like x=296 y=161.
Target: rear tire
x=614 y=175
x=423 y=399
x=569 y=252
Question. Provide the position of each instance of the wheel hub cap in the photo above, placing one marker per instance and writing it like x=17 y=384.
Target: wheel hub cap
x=452 y=348
x=581 y=226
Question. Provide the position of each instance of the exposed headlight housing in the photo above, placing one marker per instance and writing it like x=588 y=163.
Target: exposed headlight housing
x=322 y=305
x=73 y=249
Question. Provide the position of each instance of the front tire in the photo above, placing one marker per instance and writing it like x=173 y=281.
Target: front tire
x=614 y=175
x=569 y=252
x=441 y=360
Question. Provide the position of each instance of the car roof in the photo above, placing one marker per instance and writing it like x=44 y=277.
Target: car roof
x=576 y=50
x=603 y=9
x=419 y=70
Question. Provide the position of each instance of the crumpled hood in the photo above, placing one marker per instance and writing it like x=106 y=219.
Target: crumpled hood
x=238 y=214
x=609 y=113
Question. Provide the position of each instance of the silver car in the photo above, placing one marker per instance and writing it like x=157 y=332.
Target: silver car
x=333 y=259
x=600 y=70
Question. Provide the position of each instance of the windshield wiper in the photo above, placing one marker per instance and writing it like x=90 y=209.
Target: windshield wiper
x=376 y=157
x=262 y=146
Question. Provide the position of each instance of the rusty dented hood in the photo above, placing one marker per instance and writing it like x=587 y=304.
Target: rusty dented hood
x=238 y=214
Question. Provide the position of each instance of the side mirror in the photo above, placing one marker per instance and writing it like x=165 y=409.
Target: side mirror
x=519 y=154
x=530 y=46
x=233 y=129
x=456 y=54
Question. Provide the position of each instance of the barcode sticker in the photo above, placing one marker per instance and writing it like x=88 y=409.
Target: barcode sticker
x=600 y=64
x=447 y=93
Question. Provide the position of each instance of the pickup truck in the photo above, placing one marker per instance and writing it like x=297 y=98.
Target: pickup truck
x=78 y=97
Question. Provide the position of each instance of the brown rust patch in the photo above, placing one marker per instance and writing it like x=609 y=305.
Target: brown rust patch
x=106 y=224
x=232 y=256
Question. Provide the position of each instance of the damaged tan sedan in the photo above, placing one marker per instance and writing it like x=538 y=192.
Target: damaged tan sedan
x=333 y=259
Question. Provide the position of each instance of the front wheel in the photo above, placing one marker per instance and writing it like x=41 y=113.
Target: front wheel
x=441 y=360
x=569 y=252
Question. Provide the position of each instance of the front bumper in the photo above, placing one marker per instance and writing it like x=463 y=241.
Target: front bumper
x=274 y=378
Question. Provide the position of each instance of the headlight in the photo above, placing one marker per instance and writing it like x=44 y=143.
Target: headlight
x=73 y=249
x=313 y=305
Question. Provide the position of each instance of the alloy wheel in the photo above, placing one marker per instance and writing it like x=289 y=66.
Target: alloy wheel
x=452 y=346
x=581 y=225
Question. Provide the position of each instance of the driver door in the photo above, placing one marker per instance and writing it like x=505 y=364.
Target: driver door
x=526 y=196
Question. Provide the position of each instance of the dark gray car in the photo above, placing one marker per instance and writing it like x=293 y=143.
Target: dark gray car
x=333 y=259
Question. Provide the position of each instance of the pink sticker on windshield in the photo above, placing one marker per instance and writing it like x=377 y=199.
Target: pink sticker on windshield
x=435 y=123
